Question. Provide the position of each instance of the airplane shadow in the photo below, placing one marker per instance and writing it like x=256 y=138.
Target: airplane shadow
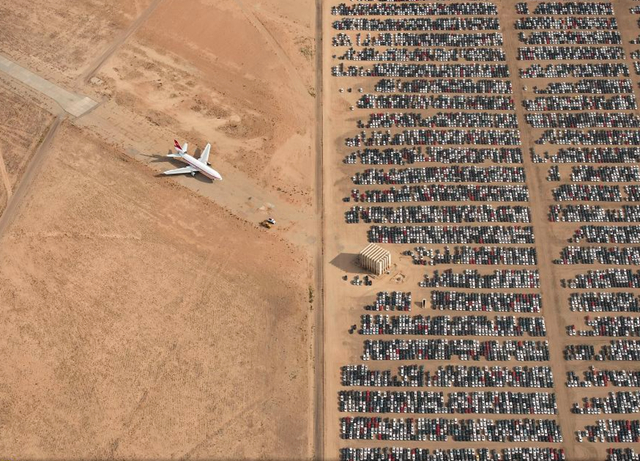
x=348 y=262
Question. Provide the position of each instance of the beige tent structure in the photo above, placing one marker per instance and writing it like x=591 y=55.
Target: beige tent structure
x=375 y=259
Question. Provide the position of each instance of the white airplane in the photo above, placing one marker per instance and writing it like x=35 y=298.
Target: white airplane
x=196 y=165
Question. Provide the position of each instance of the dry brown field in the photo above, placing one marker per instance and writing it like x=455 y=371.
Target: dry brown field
x=148 y=317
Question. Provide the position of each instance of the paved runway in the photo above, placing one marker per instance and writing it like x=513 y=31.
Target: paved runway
x=72 y=103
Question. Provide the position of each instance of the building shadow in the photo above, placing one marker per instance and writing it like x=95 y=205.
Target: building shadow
x=348 y=262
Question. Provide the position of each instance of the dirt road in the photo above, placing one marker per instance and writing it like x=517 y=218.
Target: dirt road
x=319 y=259
x=14 y=203
x=117 y=43
x=6 y=181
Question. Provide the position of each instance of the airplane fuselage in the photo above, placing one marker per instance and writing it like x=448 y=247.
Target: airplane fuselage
x=201 y=167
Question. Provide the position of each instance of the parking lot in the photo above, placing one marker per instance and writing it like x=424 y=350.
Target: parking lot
x=489 y=146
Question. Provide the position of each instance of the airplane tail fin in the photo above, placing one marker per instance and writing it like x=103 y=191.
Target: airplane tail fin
x=180 y=149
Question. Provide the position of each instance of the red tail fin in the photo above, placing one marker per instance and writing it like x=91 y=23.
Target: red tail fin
x=175 y=143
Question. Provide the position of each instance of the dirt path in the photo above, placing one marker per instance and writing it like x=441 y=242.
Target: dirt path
x=277 y=48
x=551 y=296
x=118 y=42
x=318 y=433
x=14 y=203
x=5 y=176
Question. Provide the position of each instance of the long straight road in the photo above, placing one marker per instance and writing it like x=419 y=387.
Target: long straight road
x=319 y=258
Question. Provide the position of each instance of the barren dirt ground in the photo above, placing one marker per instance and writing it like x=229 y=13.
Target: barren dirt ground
x=148 y=317
x=137 y=326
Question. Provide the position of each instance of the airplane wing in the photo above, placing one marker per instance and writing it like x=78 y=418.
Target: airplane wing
x=204 y=157
x=185 y=170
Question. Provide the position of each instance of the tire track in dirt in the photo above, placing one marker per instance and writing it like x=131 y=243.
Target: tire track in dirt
x=5 y=176
x=296 y=78
x=13 y=205
x=319 y=397
x=118 y=42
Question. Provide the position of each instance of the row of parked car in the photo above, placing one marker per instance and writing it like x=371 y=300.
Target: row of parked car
x=457 y=454
x=458 y=376
x=594 y=213
x=410 y=155
x=461 y=325
x=462 y=349
x=428 y=402
x=457 y=430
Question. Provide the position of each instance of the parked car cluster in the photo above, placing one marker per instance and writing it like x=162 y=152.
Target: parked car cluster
x=416 y=64
x=415 y=24
x=456 y=454
x=595 y=155
x=423 y=54
x=394 y=301
x=477 y=102
x=441 y=429
x=439 y=120
x=440 y=174
x=439 y=214
x=599 y=255
x=621 y=402
x=574 y=8
x=604 y=378
x=607 y=234
x=483 y=86
x=605 y=278
x=594 y=86
x=582 y=120
x=570 y=38
x=588 y=173
x=496 y=255
x=505 y=278
x=608 y=69
x=594 y=213
x=486 y=302
x=620 y=326
x=394 y=69
x=445 y=193
x=589 y=137
x=612 y=431
x=563 y=103
x=564 y=53
x=462 y=349
x=427 y=402
x=586 y=193
x=446 y=325
x=618 y=301
x=622 y=454
x=451 y=234
x=401 y=156
x=566 y=23
x=457 y=376
x=615 y=351
x=416 y=9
